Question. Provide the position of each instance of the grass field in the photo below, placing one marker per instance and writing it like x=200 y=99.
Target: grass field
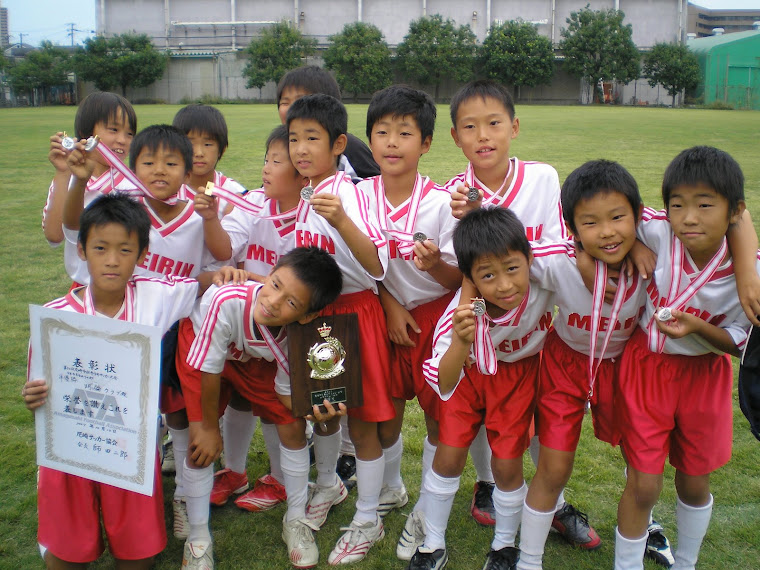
x=643 y=140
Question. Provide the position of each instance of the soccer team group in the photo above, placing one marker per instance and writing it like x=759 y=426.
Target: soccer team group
x=507 y=305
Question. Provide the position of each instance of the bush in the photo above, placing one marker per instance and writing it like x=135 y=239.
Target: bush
x=719 y=106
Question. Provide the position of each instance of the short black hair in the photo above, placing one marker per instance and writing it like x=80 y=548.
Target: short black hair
x=115 y=208
x=310 y=78
x=482 y=88
x=597 y=177
x=101 y=107
x=318 y=271
x=325 y=109
x=278 y=134
x=708 y=166
x=402 y=101
x=203 y=119
x=162 y=136
x=488 y=231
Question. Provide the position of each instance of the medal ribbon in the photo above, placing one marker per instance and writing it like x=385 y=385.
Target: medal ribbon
x=303 y=206
x=485 y=354
x=282 y=359
x=678 y=301
x=248 y=207
x=495 y=199
x=105 y=183
x=600 y=283
x=128 y=314
x=405 y=239
x=115 y=162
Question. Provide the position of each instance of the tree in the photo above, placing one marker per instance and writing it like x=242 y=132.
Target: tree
x=515 y=54
x=599 y=47
x=673 y=66
x=360 y=58
x=41 y=69
x=434 y=49
x=126 y=60
x=276 y=51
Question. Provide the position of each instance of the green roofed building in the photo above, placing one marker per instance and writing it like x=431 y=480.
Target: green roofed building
x=730 y=65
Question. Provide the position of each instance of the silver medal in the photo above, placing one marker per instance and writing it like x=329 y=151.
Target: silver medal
x=478 y=307
x=473 y=195
x=419 y=236
x=306 y=193
x=664 y=314
x=91 y=143
x=67 y=142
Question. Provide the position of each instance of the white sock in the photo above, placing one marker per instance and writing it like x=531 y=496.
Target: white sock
x=428 y=454
x=392 y=473
x=629 y=553
x=346 y=445
x=198 y=484
x=180 y=441
x=237 y=431
x=326 y=449
x=480 y=451
x=560 y=501
x=295 y=469
x=369 y=482
x=272 y=442
x=508 y=509
x=534 y=529
x=440 y=498
x=692 y=527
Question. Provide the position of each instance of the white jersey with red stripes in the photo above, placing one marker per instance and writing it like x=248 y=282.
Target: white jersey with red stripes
x=513 y=342
x=410 y=286
x=533 y=195
x=314 y=230
x=220 y=181
x=257 y=241
x=228 y=332
x=716 y=302
x=177 y=247
x=554 y=267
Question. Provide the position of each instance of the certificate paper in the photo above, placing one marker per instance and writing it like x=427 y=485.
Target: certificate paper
x=100 y=418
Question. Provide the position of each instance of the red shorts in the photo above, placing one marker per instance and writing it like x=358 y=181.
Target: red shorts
x=374 y=347
x=562 y=394
x=70 y=509
x=505 y=403
x=677 y=405
x=253 y=380
x=407 y=379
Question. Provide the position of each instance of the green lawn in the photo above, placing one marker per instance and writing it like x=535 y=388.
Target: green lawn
x=643 y=140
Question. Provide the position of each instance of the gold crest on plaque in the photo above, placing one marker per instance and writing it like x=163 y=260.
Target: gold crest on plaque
x=326 y=358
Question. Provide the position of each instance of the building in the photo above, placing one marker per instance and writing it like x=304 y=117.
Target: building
x=205 y=37
x=730 y=65
x=5 y=38
x=702 y=21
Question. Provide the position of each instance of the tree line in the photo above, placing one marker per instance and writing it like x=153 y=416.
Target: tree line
x=596 y=46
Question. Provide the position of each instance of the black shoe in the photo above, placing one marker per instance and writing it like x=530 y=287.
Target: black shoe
x=658 y=546
x=502 y=559
x=482 y=504
x=346 y=470
x=428 y=560
x=574 y=527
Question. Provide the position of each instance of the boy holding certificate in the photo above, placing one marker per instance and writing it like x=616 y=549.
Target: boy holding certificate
x=113 y=240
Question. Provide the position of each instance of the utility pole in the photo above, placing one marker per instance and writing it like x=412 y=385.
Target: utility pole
x=71 y=25
x=21 y=39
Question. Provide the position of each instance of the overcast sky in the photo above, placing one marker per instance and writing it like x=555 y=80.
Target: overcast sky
x=41 y=20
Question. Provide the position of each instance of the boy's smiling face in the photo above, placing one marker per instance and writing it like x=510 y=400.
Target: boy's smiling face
x=503 y=280
x=283 y=299
x=397 y=144
x=162 y=171
x=310 y=149
x=116 y=134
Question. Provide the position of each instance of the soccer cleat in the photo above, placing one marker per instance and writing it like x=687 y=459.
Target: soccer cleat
x=573 y=525
x=267 y=493
x=658 y=546
x=502 y=559
x=392 y=499
x=412 y=537
x=425 y=559
x=356 y=542
x=322 y=499
x=167 y=458
x=298 y=536
x=197 y=556
x=181 y=524
x=482 y=504
x=346 y=470
x=226 y=484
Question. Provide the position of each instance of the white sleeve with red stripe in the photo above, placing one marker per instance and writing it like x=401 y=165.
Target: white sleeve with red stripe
x=441 y=343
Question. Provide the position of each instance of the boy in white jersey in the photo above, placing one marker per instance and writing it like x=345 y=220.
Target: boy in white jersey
x=602 y=206
x=484 y=125
x=679 y=355
x=503 y=333
x=113 y=120
x=413 y=212
x=255 y=241
x=242 y=341
x=113 y=238
x=338 y=217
